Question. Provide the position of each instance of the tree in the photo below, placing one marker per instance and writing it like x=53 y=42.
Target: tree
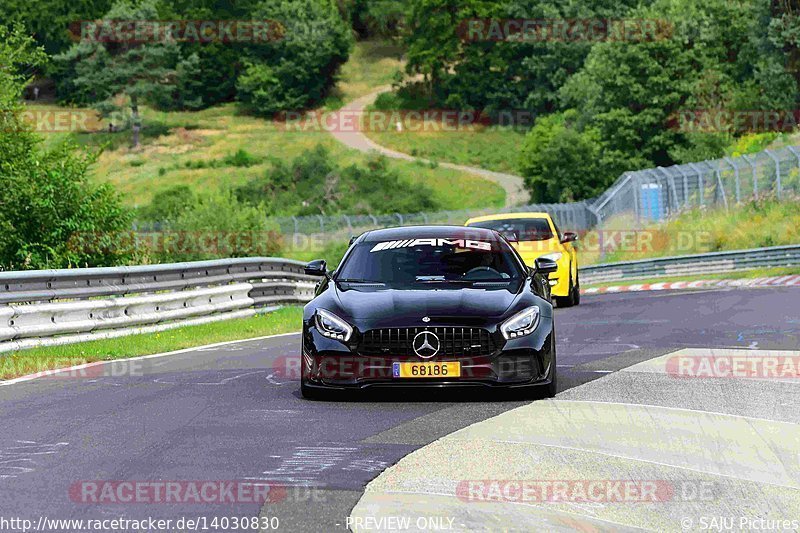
x=715 y=58
x=48 y=205
x=48 y=22
x=479 y=71
x=297 y=70
x=375 y=18
x=434 y=43
x=784 y=33
x=561 y=163
x=141 y=71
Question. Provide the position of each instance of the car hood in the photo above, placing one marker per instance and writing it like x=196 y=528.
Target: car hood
x=441 y=305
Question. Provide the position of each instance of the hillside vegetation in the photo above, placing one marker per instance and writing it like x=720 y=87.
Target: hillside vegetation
x=754 y=224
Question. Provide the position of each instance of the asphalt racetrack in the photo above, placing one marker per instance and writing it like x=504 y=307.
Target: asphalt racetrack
x=234 y=412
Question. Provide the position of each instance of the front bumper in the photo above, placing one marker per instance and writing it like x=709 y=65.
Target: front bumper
x=522 y=362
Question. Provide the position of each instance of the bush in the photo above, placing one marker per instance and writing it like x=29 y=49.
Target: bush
x=312 y=184
x=167 y=205
x=48 y=205
x=296 y=71
x=216 y=226
x=561 y=163
x=241 y=158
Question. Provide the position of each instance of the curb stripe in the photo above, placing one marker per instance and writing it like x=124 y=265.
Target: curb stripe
x=775 y=281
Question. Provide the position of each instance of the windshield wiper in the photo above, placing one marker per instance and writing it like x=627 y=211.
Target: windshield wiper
x=368 y=281
x=441 y=279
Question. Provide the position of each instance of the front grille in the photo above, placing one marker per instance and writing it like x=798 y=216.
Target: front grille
x=455 y=341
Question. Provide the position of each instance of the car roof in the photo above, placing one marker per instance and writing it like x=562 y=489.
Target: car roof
x=427 y=232
x=507 y=216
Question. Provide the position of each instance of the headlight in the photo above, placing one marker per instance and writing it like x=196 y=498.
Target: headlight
x=332 y=326
x=553 y=257
x=521 y=324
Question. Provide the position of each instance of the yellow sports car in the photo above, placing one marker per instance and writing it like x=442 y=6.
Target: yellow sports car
x=535 y=235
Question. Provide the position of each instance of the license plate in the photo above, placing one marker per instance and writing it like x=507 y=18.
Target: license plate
x=427 y=370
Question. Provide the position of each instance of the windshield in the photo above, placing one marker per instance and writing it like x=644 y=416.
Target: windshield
x=419 y=263
x=520 y=229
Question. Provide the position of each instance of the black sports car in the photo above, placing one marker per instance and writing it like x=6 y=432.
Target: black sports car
x=429 y=306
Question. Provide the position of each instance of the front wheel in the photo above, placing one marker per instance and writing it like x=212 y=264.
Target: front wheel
x=569 y=300
x=552 y=388
x=310 y=393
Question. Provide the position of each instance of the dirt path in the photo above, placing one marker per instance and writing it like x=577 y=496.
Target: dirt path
x=513 y=185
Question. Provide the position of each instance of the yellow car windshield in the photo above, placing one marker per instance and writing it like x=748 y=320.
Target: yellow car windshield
x=519 y=229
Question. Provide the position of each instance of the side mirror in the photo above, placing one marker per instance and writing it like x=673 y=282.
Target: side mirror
x=317 y=268
x=569 y=236
x=545 y=266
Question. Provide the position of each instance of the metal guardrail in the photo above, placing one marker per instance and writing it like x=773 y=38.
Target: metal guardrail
x=715 y=262
x=45 y=307
x=48 y=307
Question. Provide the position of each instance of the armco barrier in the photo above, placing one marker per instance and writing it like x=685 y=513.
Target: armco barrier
x=46 y=307
x=716 y=262
x=49 y=307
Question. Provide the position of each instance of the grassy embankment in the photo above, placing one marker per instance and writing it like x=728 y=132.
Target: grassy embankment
x=192 y=148
x=490 y=147
x=750 y=225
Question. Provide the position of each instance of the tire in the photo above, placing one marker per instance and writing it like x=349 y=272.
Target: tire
x=577 y=297
x=309 y=393
x=543 y=392
x=552 y=388
x=569 y=300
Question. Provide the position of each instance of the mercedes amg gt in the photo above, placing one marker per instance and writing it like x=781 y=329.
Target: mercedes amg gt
x=429 y=306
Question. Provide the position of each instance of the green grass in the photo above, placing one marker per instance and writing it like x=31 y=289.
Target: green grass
x=221 y=131
x=757 y=224
x=746 y=274
x=490 y=147
x=284 y=320
x=191 y=148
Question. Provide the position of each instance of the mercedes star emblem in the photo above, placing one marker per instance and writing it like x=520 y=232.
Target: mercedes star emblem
x=426 y=344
